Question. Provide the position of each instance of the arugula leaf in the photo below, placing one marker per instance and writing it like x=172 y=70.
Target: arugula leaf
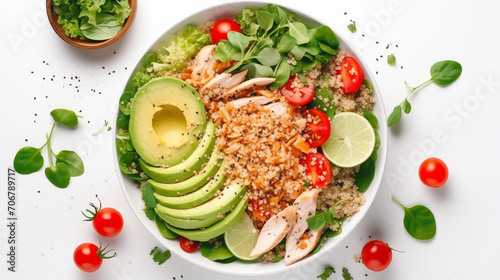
x=159 y=256
x=326 y=273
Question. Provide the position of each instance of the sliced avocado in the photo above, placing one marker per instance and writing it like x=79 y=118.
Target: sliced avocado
x=188 y=167
x=166 y=120
x=197 y=197
x=192 y=223
x=192 y=183
x=205 y=234
x=216 y=206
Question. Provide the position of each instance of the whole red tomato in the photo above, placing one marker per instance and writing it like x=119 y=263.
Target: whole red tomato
x=376 y=255
x=433 y=172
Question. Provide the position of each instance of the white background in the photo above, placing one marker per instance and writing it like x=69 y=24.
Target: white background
x=458 y=123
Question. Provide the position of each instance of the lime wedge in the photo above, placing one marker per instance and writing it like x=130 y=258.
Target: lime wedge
x=241 y=238
x=351 y=141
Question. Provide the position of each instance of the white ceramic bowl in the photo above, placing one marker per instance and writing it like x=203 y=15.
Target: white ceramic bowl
x=253 y=269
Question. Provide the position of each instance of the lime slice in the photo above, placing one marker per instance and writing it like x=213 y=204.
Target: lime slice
x=351 y=141
x=241 y=238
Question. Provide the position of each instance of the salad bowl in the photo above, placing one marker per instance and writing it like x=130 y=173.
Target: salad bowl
x=133 y=193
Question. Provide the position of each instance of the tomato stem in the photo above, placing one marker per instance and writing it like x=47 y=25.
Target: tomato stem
x=92 y=213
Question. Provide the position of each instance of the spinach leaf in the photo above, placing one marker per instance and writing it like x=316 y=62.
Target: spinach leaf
x=445 y=72
x=58 y=175
x=73 y=162
x=372 y=119
x=164 y=230
x=298 y=31
x=419 y=221
x=365 y=175
x=28 y=160
x=65 y=117
x=213 y=253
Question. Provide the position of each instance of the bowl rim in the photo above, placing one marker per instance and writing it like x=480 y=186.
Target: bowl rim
x=259 y=268
x=77 y=42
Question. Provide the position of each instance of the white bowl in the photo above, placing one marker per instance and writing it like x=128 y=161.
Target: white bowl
x=133 y=194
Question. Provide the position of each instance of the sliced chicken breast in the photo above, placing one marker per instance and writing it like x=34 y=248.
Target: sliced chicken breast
x=274 y=230
x=306 y=207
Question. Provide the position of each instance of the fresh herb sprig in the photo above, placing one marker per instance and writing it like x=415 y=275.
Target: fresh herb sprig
x=419 y=221
x=63 y=165
x=319 y=221
x=443 y=73
x=326 y=273
x=160 y=256
x=267 y=39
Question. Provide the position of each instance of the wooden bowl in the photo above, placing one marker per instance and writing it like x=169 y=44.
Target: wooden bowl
x=83 y=44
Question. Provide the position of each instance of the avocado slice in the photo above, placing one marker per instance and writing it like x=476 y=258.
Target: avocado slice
x=216 y=206
x=205 y=234
x=188 y=167
x=197 y=197
x=194 y=182
x=166 y=119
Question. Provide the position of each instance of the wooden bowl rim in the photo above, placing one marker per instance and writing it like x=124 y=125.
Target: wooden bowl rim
x=77 y=42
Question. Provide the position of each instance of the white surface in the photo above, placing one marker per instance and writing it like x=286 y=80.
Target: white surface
x=457 y=123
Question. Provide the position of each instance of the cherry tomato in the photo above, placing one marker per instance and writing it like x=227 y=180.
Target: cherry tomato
x=318 y=126
x=376 y=255
x=433 y=172
x=296 y=92
x=318 y=169
x=108 y=222
x=222 y=27
x=352 y=75
x=187 y=245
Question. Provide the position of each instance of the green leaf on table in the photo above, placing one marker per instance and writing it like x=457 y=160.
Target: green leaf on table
x=72 y=160
x=419 y=221
x=28 y=160
x=58 y=175
x=352 y=27
x=160 y=256
x=391 y=60
x=395 y=116
x=445 y=72
x=346 y=274
x=326 y=273
x=406 y=106
x=65 y=117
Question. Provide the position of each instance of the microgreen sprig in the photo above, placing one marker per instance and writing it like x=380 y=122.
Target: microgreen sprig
x=443 y=73
x=62 y=165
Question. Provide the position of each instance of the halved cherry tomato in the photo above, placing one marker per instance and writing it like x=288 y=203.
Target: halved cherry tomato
x=376 y=255
x=260 y=211
x=222 y=27
x=296 y=92
x=318 y=126
x=318 y=169
x=433 y=172
x=352 y=75
x=189 y=246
